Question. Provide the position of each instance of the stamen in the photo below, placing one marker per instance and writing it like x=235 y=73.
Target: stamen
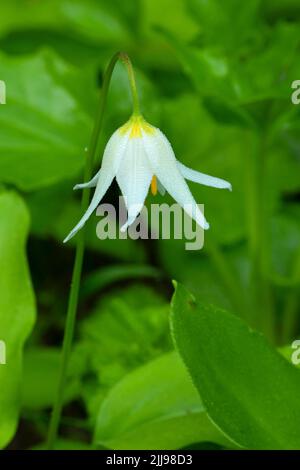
x=154 y=185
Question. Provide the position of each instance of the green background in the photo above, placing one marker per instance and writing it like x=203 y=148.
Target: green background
x=215 y=77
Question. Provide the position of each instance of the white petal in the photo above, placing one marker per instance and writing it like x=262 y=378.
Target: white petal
x=112 y=157
x=197 y=177
x=90 y=184
x=134 y=178
x=164 y=166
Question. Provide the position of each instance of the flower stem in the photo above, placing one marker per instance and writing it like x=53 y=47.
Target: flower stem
x=80 y=246
x=127 y=62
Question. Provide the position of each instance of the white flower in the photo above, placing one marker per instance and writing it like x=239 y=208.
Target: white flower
x=139 y=155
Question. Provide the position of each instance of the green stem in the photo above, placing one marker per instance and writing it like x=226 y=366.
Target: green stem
x=80 y=246
x=127 y=62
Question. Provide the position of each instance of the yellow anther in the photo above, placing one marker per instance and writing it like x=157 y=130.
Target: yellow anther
x=154 y=185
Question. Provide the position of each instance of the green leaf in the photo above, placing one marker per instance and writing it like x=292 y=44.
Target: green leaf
x=44 y=126
x=96 y=21
x=17 y=307
x=33 y=14
x=249 y=390
x=155 y=407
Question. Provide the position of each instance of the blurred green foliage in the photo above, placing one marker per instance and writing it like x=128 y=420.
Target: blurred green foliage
x=216 y=78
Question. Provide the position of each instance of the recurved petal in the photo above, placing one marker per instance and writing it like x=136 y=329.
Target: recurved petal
x=164 y=166
x=202 y=178
x=90 y=184
x=134 y=177
x=112 y=157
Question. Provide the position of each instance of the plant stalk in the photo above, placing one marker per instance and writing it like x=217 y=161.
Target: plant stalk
x=80 y=246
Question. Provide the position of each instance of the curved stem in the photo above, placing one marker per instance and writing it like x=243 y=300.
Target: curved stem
x=127 y=62
x=80 y=246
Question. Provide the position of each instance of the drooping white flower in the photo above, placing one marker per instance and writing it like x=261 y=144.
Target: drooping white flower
x=139 y=156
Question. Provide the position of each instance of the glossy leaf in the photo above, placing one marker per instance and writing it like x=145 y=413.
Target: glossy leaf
x=155 y=407
x=248 y=389
x=46 y=114
x=17 y=308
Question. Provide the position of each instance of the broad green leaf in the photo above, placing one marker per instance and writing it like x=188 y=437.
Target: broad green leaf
x=94 y=20
x=291 y=352
x=248 y=389
x=44 y=125
x=81 y=32
x=34 y=14
x=17 y=307
x=155 y=407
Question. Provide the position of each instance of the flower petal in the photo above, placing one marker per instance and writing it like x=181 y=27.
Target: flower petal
x=112 y=157
x=134 y=177
x=202 y=178
x=90 y=184
x=164 y=166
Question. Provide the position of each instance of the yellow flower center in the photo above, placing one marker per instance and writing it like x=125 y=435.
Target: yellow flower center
x=135 y=125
